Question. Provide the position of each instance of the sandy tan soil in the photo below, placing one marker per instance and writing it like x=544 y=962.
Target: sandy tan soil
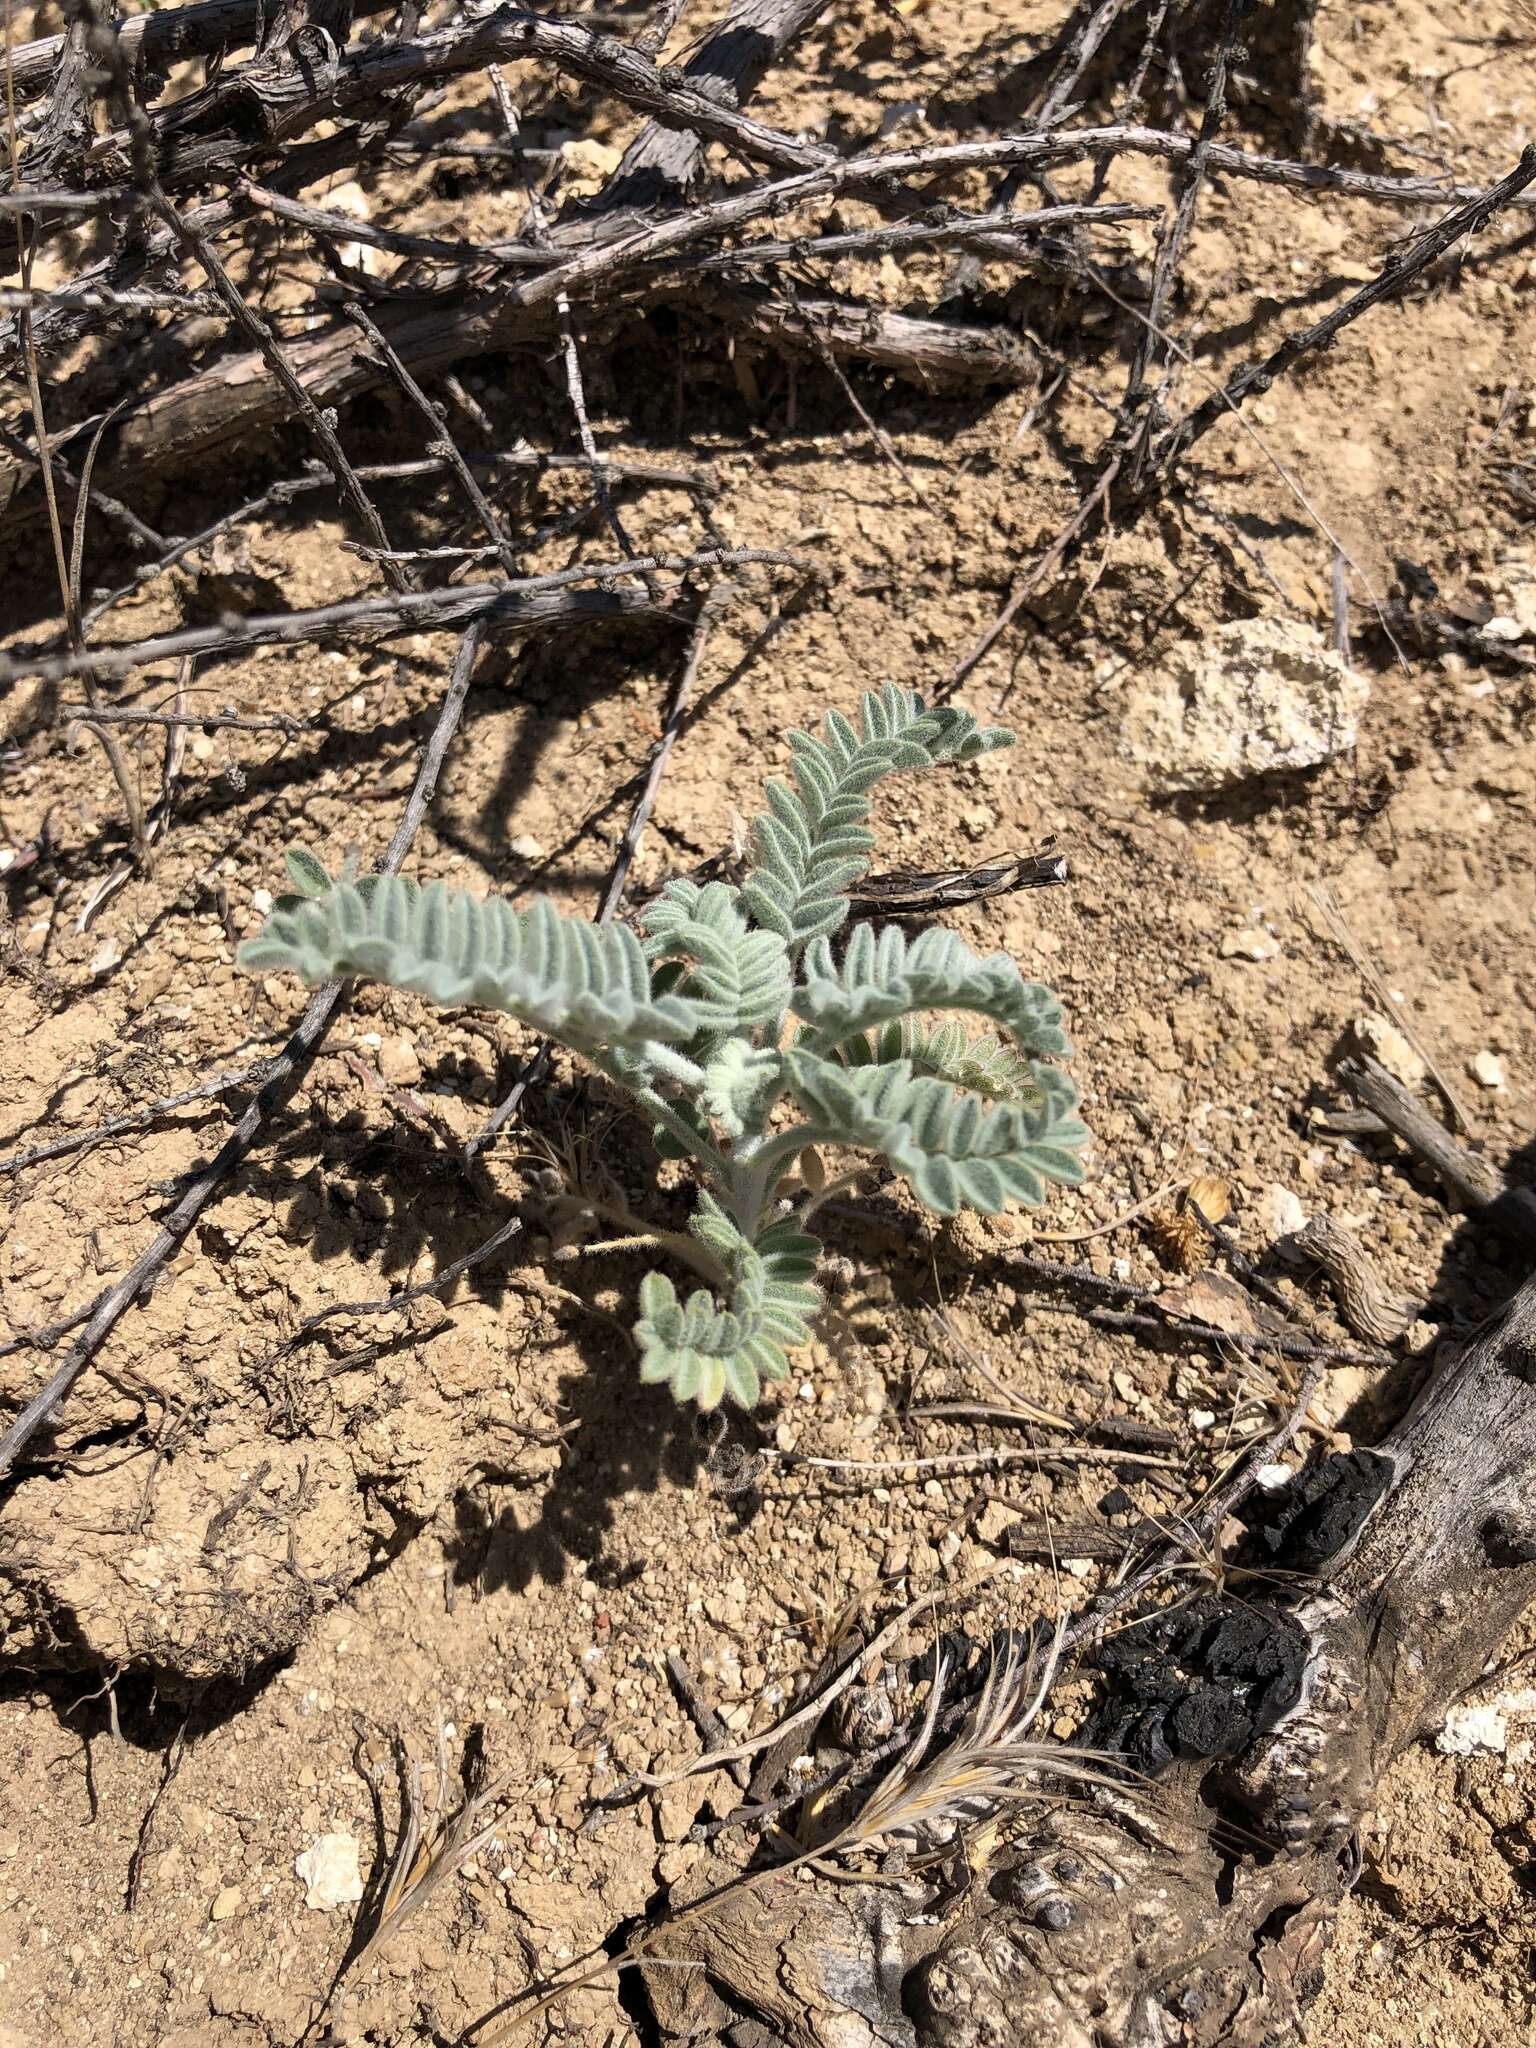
x=248 y=1562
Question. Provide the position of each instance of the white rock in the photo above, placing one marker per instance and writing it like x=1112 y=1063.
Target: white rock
x=1487 y=1069
x=526 y=847
x=1380 y=1037
x=1249 y=943
x=1280 y=1214
x=1273 y=1477
x=1254 y=697
x=328 y=1868
x=1473 y=1731
x=399 y=1063
x=261 y=902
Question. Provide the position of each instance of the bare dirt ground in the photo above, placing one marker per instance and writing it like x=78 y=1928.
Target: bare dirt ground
x=246 y=1560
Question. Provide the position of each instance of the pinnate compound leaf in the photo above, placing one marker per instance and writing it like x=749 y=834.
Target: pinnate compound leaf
x=741 y=1084
x=988 y=1066
x=738 y=978
x=884 y=975
x=813 y=842
x=586 y=984
x=957 y=1151
x=707 y=1354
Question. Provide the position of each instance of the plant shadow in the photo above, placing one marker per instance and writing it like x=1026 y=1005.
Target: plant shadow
x=620 y=1438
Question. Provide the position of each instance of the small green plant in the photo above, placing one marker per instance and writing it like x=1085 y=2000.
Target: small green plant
x=749 y=1040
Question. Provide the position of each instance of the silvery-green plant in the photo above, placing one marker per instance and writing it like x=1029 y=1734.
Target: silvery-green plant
x=749 y=1035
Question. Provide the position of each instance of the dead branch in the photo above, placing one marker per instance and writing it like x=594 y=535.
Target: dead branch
x=287 y=1071
x=180 y=426
x=1114 y=494
x=276 y=102
x=538 y=603
x=443 y=443
x=728 y=67
x=1398 y=271
x=1139 y=407
x=278 y=496
x=1152 y=1916
x=136 y=1119
x=1474 y=1182
x=154 y=41
x=1370 y=1308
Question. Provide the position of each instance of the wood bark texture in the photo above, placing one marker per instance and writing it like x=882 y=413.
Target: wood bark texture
x=1196 y=1910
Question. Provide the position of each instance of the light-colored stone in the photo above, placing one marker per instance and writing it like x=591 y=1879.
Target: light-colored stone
x=329 y=1872
x=996 y=1519
x=1280 y=1213
x=1254 y=697
x=1380 y=1038
x=1487 y=1069
x=1482 y=1728
x=399 y=1062
x=1473 y=1731
x=1249 y=943
x=526 y=847
x=227 y=1904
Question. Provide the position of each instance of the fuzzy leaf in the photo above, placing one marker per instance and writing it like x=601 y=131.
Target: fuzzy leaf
x=814 y=840
x=884 y=975
x=739 y=978
x=306 y=873
x=986 y=1066
x=586 y=984
x=957 y=1151
x=741 y=1084
x=705 y=1353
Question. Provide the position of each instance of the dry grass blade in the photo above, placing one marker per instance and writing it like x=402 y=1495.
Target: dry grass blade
x=1328 y=906
x=993 y=1761
x=429 y=1851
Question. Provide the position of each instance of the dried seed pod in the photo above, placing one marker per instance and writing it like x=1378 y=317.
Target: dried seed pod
x=1209 y=1197
x=1176 y=1237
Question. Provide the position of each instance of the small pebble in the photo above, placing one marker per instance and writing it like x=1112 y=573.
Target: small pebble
x=1487 y=1069
x=1473 y=1731
x=329 y=1871
x=226 y=1904
x=1249 y=943
x=1281 y=1214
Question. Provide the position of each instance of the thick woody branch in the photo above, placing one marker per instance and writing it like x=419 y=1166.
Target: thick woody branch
x=1198 y=1911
